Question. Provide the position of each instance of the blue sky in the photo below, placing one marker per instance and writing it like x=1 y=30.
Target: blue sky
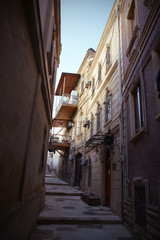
x=82 y=25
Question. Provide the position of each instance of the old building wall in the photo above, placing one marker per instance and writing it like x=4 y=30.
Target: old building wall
x=25 y=106
x=142 y=151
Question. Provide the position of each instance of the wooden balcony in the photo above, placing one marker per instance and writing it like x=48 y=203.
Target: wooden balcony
x=59 y=142
x=68 y=99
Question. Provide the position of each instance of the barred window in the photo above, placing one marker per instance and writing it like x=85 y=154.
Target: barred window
x=108 y=106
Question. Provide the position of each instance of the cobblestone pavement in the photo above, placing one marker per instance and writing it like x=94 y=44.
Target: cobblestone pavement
x=67 y=217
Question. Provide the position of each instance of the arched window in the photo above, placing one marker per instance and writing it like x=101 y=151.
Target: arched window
x=98 y=117
x=108 y=106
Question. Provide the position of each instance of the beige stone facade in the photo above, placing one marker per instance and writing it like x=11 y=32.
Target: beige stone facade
x=93 y=165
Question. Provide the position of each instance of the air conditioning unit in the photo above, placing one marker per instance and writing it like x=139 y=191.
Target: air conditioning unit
x=87 y=83
x=86 y=122
x=69 y=124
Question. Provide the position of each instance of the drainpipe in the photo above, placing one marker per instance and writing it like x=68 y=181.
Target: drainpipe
x=84 y=146
x=120 y=112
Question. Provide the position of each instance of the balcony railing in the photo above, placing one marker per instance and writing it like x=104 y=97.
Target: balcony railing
x=58 y=138
x=70 y=99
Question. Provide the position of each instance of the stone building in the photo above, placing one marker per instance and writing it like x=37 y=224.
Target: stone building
x=92 y=159
x=141 y=56
x=30 y=48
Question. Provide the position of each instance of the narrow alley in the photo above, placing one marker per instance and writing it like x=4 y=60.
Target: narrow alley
x=66 y=217
x=80 y=120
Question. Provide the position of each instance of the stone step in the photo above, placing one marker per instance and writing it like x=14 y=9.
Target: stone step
x=67 y=220
x=62 y=193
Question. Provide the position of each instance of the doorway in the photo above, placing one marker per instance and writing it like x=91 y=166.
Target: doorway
x=107 y=179
x=78 y=170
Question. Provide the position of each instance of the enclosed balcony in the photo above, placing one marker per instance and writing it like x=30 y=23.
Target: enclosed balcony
x=68 y=99
x=59 y=142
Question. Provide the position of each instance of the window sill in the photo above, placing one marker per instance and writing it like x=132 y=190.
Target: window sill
x=157 y=118
x=131 y=43
x=140 y=134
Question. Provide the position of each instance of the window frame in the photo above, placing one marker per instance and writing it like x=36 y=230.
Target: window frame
x=142 y=130
x=92 y=125
x=98 y=117
x=107 y=106
x=131 y=29
x=108 y=57
x=99 y=73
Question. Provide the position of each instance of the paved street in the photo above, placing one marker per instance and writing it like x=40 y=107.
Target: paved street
x=67 y=217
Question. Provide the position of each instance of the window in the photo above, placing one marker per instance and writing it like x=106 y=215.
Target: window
x=155 y=53
x=93 y=85
x=79 y=125
x=92 y=123
x=98 y=118
x=140 y=206
x=89 y=172
x=108 y=106
x=73 y=133
x=78 y=128
x=141 y=199
x=137 y=109
x=108 y=57
x=138 y=112
x=131 y=18
x=132 y=26
x=82 y=83
x=99 y=73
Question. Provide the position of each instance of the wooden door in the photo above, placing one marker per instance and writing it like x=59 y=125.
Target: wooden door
x=107 y=183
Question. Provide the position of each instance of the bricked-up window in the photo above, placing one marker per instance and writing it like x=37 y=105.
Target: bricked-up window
x=92 y=124
x=99 y=73
x=98 y=117
x=108 y=106
x=108 y=58
x=138 y=111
